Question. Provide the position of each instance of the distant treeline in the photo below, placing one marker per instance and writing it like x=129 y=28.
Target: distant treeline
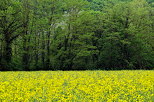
x=76 y=34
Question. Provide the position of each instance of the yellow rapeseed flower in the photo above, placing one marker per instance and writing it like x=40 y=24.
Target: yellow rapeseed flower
x=77 y=86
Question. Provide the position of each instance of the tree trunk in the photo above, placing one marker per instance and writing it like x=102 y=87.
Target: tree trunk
x=25 y=57
x=26 y=40
x=7 y=55
x=43 y=53
x=48 y=51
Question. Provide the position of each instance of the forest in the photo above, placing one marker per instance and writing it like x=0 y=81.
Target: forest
x=76 y=35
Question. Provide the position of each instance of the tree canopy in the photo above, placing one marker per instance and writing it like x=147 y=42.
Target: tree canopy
x=76 y=34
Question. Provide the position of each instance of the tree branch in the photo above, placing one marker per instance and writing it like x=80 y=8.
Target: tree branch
x=12 y=31
x=14 y=37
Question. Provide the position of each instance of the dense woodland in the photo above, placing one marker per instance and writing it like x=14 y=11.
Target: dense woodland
x=76 y=34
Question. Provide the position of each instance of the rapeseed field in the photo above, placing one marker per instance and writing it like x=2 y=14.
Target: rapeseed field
x=77 y=86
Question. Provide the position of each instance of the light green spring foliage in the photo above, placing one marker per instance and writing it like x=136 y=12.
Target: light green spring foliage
x=77 y=86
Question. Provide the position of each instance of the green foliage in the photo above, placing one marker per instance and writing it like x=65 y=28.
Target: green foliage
x=76 y=34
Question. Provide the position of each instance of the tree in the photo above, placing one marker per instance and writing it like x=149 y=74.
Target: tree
x=10 y=24
x=124 y=24
x=76 y=34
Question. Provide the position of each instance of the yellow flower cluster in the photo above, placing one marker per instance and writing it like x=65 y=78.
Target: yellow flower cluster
x=77 y=86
